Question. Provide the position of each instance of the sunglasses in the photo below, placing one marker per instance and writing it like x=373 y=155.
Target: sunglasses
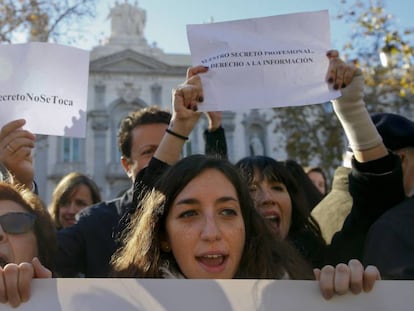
x=17 y=223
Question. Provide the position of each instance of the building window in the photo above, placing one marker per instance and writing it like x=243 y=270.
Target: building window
x=156 y=95
x=71 y=149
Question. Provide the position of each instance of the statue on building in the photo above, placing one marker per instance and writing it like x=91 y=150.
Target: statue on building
x=127 y=20
x=256 y=145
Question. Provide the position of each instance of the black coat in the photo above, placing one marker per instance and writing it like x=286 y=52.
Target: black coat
x=390 y=242
x=372 y=194
x=86 y=247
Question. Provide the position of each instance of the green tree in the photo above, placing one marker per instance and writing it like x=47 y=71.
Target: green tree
x=313 y=133
x=47 y=20
x=384 y=52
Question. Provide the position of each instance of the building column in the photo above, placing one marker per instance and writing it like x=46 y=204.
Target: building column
x=228 y=124
x=100 y=124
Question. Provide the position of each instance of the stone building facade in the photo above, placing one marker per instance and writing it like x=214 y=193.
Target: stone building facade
x=125 y=74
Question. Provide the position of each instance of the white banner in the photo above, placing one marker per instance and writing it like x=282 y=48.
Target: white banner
x=220 y=295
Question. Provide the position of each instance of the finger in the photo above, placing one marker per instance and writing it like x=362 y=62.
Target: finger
x=371 y=275
x=192 y=71
x=342 y=278
x=40 y=271
x=26 y=273
x=326 y=281
x=317 y=273
x=20 y=142
x=332 y=72
x=3 y=293
x=348 y=75
x=357 y=274
x=341 y=69
x=191 y=95
x=332 y=54
x=11 y=127
x=17 y=138
x=11 y=276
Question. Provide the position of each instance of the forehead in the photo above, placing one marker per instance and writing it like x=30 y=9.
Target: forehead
x=8 y=206
x=315 y=174
x=80 y=190
x=208 y=183
x=266 y=175
x=148 y=134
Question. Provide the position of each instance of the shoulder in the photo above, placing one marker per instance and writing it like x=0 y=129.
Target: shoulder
x=401 y=214
x=101 y=208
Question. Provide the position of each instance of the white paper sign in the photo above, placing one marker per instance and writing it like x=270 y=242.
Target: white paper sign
x=45 y=84
x=263 y=62
x=200 y=295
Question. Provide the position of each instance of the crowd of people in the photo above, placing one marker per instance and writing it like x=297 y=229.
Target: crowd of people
x=204 y=217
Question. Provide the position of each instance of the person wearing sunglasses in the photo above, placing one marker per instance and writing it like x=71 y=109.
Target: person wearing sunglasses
x=27 y=242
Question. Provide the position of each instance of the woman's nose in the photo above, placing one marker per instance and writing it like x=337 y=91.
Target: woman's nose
x=211 y=230
x=264 y=197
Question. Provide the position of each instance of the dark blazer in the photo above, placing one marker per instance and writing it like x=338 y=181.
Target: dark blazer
x=390 y=242
x=86 y=247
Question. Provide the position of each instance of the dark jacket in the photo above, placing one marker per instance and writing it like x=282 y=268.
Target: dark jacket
x=369 y=186
x=390 y=242
x=86 y=247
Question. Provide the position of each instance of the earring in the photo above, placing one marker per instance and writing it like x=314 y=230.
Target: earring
x=165 y=247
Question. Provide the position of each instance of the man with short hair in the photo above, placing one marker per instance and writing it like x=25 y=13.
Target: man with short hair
x=390 y=243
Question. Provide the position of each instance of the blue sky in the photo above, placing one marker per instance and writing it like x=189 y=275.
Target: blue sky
x=166 y=19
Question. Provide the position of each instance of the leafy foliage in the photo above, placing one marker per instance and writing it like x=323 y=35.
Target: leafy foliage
x=47 y=20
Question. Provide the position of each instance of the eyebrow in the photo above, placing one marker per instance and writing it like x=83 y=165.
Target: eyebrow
x=195 y=201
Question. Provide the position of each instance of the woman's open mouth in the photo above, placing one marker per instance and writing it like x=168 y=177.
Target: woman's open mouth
x=213 y=263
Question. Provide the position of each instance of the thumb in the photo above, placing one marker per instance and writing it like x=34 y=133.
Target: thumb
x=40 y=271
x=317 y=273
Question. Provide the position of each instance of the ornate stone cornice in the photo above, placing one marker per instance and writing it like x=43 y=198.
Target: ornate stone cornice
x=99 y=119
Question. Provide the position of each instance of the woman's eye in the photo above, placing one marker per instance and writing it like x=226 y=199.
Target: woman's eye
x=187 y=214
x=229 y=212
x=279 y=187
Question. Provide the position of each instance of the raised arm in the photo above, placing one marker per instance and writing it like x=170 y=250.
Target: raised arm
x=185 y=100
x=375 y=182
x=350 y=108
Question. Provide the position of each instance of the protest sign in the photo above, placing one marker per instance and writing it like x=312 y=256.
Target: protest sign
x=45 y=84
x=263 y=62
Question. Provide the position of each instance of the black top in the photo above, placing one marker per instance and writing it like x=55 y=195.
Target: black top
x=390 y=242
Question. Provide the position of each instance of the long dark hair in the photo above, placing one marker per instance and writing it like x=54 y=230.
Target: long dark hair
x=304 y=231
x=263 y=255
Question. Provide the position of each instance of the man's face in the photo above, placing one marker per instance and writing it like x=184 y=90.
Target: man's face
x=145 y=140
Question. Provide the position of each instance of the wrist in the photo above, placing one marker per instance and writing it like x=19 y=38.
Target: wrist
x=212 y=128
x=181 y=128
